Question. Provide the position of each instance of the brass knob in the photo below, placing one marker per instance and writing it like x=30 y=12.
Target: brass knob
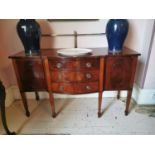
x=118 y=64
x=88 y=76
x=88 y=64
x=59 y=77
x=120 y=82
x=59 y=65
x=88 y=87
x=61 y=88
x=30 y=64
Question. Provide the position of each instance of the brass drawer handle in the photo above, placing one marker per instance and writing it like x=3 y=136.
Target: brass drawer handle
x=59 y=77
x=61 y=88
x=88 y=76
x=117 y=64
x=88 y=65
x=88 y=87
x=120 y=82
x=59 y=65
x=30 y=64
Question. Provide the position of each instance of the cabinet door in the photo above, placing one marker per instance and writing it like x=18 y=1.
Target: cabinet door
x=120 y=73
x=31 y=74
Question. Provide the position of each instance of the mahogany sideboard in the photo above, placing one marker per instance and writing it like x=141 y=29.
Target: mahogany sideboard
x=95 y=72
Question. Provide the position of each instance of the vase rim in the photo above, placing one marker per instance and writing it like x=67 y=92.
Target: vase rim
x=118 y=19
x=27 y=19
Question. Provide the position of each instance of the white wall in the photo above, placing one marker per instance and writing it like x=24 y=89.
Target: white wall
x=68 y=27
x=9 y=44
x=139 y=39
x=150 y=74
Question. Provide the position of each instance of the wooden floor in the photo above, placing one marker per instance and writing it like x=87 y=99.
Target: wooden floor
x=78 y=117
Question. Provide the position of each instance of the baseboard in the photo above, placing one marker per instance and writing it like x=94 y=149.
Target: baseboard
x=140 y=96
x=143 y=96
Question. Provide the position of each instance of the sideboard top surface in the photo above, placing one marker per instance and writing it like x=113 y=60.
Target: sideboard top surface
x=96 y=52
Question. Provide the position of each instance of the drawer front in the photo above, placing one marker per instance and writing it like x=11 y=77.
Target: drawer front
x=31 y=74
x=75 y=88
x=74 y=76
x=119 y=73
x=87 y=63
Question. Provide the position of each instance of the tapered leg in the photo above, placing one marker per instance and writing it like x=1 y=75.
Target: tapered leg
x=37 y=96
x=128 y=102
x=99 y=104
x=25 y=103
x=118 y=94
x=52 y=104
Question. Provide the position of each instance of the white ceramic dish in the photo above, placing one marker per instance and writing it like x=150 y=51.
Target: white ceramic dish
x=74 y=51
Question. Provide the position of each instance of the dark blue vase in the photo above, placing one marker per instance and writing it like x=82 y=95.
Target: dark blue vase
x=116 y=32
x=29 y=33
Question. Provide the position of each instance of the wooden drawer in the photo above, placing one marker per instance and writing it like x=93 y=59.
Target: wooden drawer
x=31 y=74
x=77 y=64
x=75 y=88
x=120 y=73
x=74 y=76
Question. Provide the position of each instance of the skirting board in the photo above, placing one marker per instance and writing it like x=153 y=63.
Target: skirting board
x=141 y=96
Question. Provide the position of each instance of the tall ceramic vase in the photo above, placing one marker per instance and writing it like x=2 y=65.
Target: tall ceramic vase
x=116 y=32
x=29 y=33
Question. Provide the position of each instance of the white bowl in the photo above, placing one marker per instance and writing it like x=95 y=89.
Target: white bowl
x=74 y=51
